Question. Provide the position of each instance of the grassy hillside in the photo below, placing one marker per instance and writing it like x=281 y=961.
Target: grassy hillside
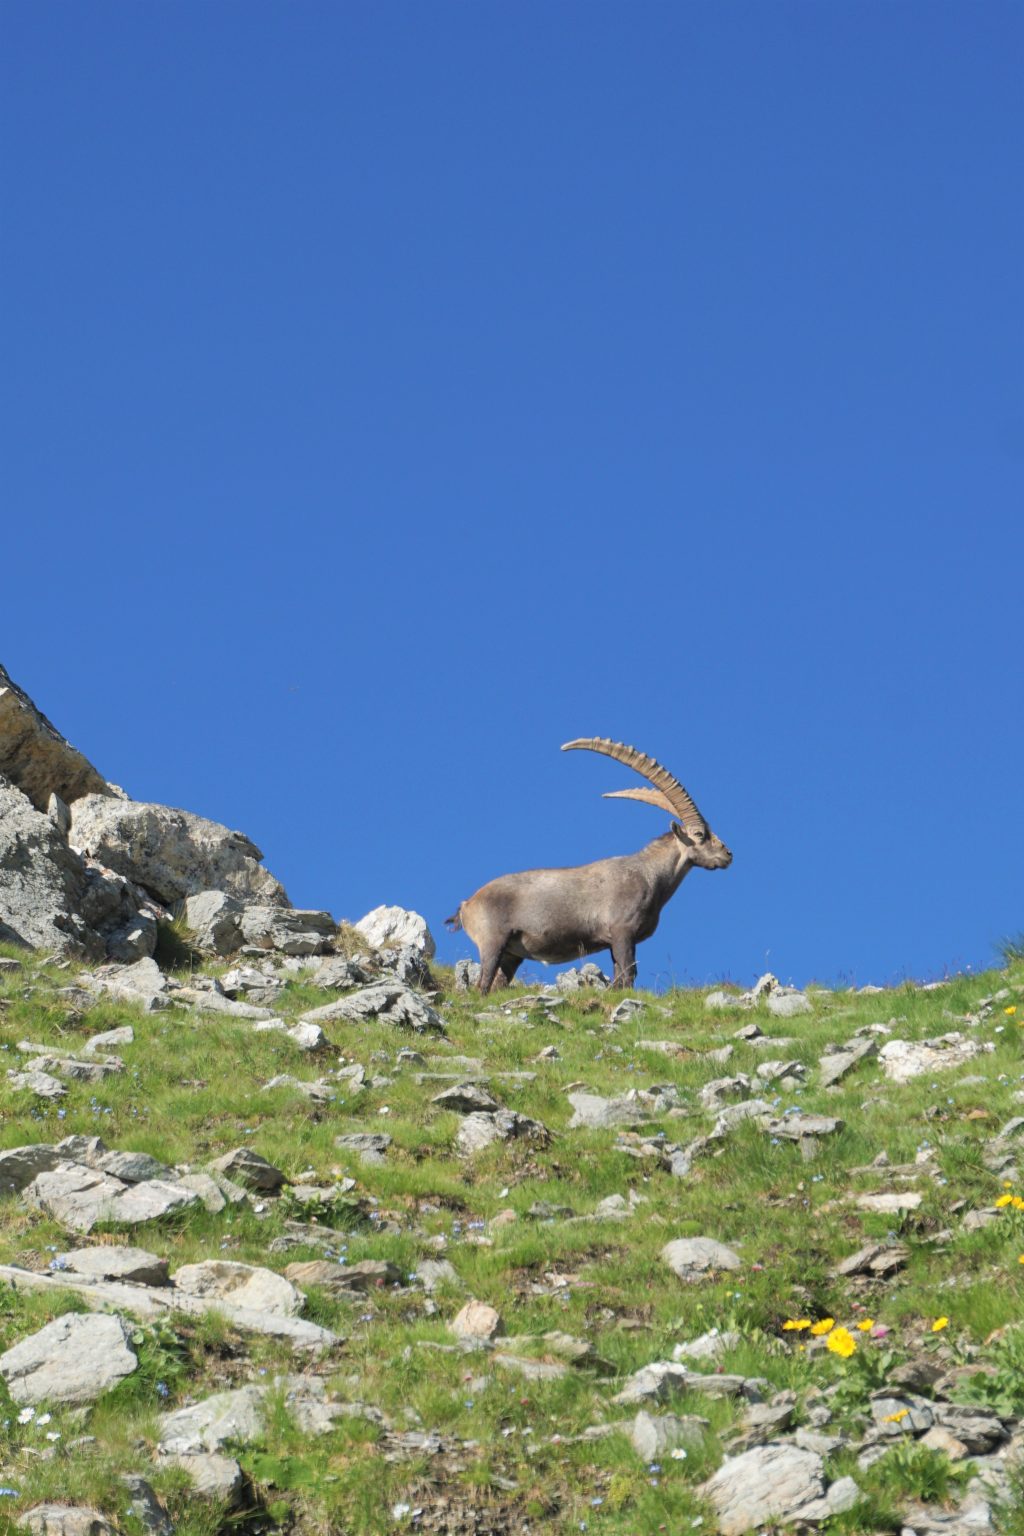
x=516 y=1221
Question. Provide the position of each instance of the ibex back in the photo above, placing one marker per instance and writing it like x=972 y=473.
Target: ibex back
x=563 y=914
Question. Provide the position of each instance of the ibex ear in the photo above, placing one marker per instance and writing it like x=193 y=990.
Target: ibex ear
x=690 y=835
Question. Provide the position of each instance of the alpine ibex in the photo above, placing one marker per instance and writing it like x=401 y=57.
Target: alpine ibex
x=562 y=914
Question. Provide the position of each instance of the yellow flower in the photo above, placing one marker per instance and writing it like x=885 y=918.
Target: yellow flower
x=939 y=1324
x=1007 y=1183
x=841 y=1342
x=866 y=1324
x=894 y=1418
x=1021 y=1259
x=1004 y=1200
x=1017 y=1203
x=1012 y=1008
x=796 y=1324
x=825 y=1326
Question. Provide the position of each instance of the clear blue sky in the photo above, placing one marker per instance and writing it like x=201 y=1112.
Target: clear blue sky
x=393 y=392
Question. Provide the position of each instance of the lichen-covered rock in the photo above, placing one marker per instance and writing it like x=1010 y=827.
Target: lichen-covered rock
x=172 y=853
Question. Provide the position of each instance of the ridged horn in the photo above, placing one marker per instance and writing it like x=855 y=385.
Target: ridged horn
x=648 y=796
x=672 y=796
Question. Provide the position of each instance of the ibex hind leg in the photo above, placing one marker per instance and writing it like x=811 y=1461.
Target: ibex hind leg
x=507 y=967
x=490 y=964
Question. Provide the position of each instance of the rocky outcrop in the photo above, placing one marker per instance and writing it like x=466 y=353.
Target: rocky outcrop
x=172 y=853
x=85 y=871
x=50 y=897
x=35 y=756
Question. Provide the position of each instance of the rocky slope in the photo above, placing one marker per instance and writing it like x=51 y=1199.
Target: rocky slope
x=297 y=1236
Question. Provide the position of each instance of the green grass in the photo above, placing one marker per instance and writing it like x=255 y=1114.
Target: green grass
x=192 y=1089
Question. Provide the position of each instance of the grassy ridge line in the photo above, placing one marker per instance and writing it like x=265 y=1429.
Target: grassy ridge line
x=193 y=1089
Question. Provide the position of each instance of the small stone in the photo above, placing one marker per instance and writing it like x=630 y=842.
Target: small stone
x=477 y=1322
x=110 y=1039
x=248 y=1168
x=654 y=1435
x=478 y=1131
x=692 y=1258
x=64 y=1520
x=217 y=1478
x=787 y=1005
x=874 y=1259
x=39 y=1083
x=466 y=1099
x=595 y=1113
x=146 y=1507
x=890 y=1204
x=435 y=1274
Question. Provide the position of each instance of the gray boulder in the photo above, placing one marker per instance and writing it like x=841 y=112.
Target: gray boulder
x=80 y=1197
x=74 y=1359
x=390 y=1001
x=288 y=930
x=774 y=1484
x=215 y=921
x=143 y=984
x=243 y=1285
x=105 y=1263
x=170 y=852
x=36 y=757
x=42 y=882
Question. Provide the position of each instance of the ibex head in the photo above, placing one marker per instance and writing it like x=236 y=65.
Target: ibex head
x=667 y=794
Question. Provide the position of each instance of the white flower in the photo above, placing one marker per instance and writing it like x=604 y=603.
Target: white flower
x=399 y=1511
x=44 y=1418
x=678 y=1454
x=26 y=1415
x=53 y=1434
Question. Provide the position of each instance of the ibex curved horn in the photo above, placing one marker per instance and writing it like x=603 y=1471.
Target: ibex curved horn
x=668 y=794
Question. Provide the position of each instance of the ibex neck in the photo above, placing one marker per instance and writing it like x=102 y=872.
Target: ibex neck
x=669 y=861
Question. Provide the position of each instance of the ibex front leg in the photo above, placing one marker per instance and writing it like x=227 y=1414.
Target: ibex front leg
x=624 y=956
